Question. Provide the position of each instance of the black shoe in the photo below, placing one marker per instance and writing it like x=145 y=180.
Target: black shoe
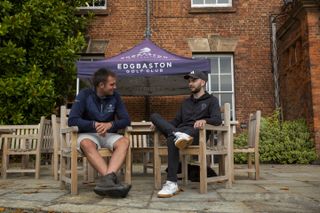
x=109 y=185
x=120 y=191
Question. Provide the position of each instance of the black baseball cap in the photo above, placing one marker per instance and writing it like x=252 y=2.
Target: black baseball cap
x=197 y=74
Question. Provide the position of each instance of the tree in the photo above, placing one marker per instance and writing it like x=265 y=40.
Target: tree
x=39 y=42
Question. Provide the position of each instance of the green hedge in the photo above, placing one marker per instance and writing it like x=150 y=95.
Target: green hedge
x=24 y=98
x=284 y=142
x=39 y=42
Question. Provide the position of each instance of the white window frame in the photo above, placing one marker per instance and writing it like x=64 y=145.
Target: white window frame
x=94 y=7
x=220 y=92
x=229 y=4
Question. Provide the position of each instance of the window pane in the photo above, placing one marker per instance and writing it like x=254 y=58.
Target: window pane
x=214 y=65
x=225 y=65
x=197 y=1
x=214 y=83
x=221 y=78
x=226 y=98
x=211 y=1
x=99 y=2
x=223 y=1
x=226 y=83
x=89 y=3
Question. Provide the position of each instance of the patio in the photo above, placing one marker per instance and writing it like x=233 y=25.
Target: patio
x=282 y=188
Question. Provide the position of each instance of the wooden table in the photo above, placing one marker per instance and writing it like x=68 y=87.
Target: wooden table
x=137 y=133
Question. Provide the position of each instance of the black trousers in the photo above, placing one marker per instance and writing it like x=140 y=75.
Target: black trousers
x=168 y=130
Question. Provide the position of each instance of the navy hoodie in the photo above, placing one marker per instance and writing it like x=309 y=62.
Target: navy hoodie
x=88 y=108
x=206 y=107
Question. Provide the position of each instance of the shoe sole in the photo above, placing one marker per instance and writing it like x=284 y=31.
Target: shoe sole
x=183 y=143
x=112 y=192
x=168 y=195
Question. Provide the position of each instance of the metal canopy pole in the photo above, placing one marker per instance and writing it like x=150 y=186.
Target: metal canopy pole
x=148 y=27
x=147 y=35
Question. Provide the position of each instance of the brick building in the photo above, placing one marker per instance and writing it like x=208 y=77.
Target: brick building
x=299 y=63
x=235 y=35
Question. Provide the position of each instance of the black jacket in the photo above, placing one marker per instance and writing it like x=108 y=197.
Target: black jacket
x=206 y=107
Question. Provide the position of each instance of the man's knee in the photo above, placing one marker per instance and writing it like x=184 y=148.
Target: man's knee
x=87 y=145
x=122 y=143
x=154 y=116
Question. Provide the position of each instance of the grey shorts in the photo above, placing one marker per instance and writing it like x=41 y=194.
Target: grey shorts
x=101 y=142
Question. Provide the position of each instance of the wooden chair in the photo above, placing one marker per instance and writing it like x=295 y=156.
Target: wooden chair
x=56 y=145
x=205 y=148
x=68 y=147
x=47 y=143
x=24 y=140
x=253 y=146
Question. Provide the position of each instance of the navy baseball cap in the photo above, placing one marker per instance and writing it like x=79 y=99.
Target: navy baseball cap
x=197 y=74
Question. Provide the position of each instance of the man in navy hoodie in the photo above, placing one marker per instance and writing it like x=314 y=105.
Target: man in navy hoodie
x=99 y=113
x=196 y=111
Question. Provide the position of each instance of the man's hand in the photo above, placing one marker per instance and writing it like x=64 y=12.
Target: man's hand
x=102 y=128
x=199 y=124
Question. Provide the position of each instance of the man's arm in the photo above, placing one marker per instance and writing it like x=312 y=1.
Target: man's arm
x=75 y=116
x=123 y=119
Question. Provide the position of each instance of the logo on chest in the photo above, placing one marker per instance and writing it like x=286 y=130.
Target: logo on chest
x=203 y=106
x=109 y=108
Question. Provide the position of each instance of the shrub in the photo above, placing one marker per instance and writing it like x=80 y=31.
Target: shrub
x=281 y=142
x=39 y=42
x=25 y=98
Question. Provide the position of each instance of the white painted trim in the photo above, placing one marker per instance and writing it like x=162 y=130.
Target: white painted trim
x=211 y=5
x=88 y=7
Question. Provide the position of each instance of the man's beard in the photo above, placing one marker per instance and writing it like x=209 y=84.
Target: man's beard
x=107 y=93
x=196 y=90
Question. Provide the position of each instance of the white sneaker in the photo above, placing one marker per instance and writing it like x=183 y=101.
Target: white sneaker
x=169 y=189
x=182 y=140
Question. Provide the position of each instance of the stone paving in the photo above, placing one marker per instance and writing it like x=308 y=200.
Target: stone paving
x=282 y=188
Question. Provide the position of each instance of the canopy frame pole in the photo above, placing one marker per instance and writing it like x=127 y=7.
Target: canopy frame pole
x=78 y=86
x=148 y=28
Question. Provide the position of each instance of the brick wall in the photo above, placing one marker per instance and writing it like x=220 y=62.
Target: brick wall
x=173 y=23
x=295 y=81
x=313 y=21
x=299 y=44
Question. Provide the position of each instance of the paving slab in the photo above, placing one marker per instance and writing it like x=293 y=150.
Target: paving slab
x=191 y=195
x=140 y=201
x=137 y=210
x=279 y=207
x=282 y=188
x=202 y=206
x=20 y=204
x=78 y=208
x=39 y=195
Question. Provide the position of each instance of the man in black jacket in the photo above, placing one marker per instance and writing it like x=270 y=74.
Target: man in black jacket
x=199 y=109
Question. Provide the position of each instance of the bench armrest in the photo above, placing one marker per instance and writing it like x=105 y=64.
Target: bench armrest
x=71 y=129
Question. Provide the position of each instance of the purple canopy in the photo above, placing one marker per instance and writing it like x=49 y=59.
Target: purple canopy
x=145 y=59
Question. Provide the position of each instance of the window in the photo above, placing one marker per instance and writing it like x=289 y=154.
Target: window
x=211 y=3
x=95 y=4
x=221 y=80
